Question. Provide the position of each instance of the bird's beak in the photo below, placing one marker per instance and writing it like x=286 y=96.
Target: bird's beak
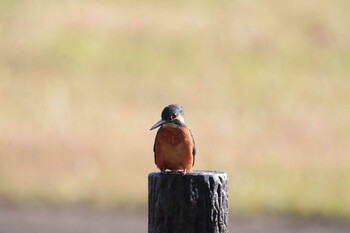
x=159 y=123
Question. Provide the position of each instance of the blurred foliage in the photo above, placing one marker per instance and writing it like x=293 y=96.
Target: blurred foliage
x=265 y=86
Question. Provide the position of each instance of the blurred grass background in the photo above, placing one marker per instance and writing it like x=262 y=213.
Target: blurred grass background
x=265 y=86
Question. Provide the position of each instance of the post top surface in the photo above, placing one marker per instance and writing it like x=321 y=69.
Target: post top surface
x=192 y=173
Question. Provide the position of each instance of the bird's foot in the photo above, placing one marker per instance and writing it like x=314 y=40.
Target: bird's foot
x=184 y=172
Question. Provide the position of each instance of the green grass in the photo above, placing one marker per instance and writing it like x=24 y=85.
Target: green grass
x=265 y=86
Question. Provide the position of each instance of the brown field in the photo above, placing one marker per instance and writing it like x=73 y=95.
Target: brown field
x=265 y=87
x=85 y=220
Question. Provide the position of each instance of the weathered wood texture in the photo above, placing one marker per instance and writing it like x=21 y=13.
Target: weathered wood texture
x=193 y=203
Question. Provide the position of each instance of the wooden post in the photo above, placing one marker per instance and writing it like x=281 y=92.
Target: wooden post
x=193 y=203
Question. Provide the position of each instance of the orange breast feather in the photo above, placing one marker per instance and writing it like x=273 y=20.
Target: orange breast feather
x=173 y=148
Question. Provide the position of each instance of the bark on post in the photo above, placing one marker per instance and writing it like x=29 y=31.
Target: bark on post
x=193 y=203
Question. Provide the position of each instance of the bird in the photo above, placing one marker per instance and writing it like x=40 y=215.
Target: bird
x=174 y=146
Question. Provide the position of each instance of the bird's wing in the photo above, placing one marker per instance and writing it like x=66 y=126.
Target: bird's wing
x=194 y=150
x=154 y=150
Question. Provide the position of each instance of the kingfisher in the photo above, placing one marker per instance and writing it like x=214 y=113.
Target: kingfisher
x=174 y=146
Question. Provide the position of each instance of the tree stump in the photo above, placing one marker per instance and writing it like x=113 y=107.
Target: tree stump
x=193 y=203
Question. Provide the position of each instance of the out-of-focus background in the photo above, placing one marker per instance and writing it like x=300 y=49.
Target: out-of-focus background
x=265 y=86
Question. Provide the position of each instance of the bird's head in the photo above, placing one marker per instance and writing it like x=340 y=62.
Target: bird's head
x=172 y=113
